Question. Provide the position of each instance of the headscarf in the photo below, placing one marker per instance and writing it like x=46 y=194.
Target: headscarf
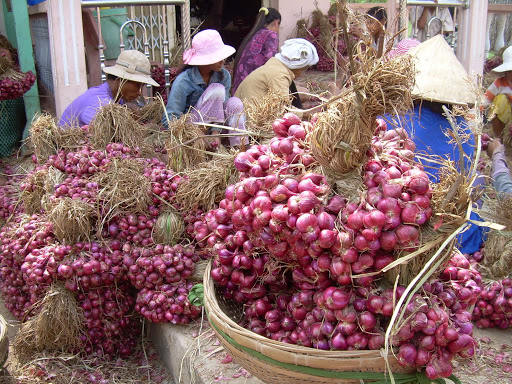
x=297 y=53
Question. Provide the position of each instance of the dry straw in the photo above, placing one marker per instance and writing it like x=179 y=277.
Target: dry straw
x=123 y=188
x=41 y=185
x=205 y=184
x=343 y=133
x=46 y=138
x=33 y=195
x=5 y=64
x=114 y=123
x=72 y=219
x=169 y=228
x=152 y=112
x=199 y=269
x=41 y=138
x=54 y=176
x=186 y=146
x=69 y=138
x=56 y=327
x=261 y=112
x=498 y=246
x=497 y=262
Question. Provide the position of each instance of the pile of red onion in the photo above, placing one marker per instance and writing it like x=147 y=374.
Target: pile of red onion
x=114 y=275
x=494 y=308
x=305 y=262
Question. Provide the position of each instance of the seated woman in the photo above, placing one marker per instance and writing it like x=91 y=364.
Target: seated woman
x=203 y=86
x=278 y=73
x=441 y=80
x=124 y=85
x=499 y=94
x=260 y=44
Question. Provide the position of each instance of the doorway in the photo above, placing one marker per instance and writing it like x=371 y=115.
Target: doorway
x=232 y=18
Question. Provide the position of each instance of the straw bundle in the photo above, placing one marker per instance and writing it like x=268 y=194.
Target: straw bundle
x=206 y=184
x=114 y=123
x=72 y=219
x=169 y=228
x=348 y=185
x=32 y=194
x=498 y=254
x=387 y=84
x=497 y=208
x=21 y=166
x=342 y=135
x=54 y=176
x=123 y=187
x=344 y=132
x=451 y=196
x=153 y=111
x=157 y=138
x=262 y=112
x=56 y=327
x=41 y=138
x=66 y=138
x=198 y=274
x=8 y=62
x=5 y=64
x=186 y=147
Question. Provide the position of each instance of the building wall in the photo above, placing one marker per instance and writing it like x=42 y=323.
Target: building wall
x=294 y=10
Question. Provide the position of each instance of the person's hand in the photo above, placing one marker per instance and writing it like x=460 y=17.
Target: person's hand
x=492 y=146
x=213 y=142
x=134 y=109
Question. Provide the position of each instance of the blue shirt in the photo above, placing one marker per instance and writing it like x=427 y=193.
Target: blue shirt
x=426 y=128
x=188 y=87
x=85 y=106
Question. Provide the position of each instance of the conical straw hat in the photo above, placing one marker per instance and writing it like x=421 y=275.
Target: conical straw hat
x=441 y=77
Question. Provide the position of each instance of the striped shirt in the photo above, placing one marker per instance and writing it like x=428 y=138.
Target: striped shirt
x=500 y=86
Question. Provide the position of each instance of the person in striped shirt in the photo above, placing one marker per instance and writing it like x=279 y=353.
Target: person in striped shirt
x=499 y=95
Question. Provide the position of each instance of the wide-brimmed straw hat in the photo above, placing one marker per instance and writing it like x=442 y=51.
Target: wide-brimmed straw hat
x=441 y=77
x=207 y=48
x=132 y=65
x=507 y=61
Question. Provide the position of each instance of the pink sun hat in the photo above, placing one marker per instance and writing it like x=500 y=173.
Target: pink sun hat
x=207 y=48
x=403 y=47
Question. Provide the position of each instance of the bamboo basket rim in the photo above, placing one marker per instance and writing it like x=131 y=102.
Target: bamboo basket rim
x=290 y=353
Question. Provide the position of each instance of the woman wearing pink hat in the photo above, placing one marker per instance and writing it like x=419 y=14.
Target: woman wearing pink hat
x=202 y=88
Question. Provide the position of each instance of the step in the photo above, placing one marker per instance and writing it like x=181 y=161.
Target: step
x=193 y=355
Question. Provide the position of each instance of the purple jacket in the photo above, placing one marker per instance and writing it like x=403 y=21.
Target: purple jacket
x=82 y=110
x=263 y=45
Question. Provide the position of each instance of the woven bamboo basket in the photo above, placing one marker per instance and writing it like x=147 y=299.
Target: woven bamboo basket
x=4 y=342
x=278 y=363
